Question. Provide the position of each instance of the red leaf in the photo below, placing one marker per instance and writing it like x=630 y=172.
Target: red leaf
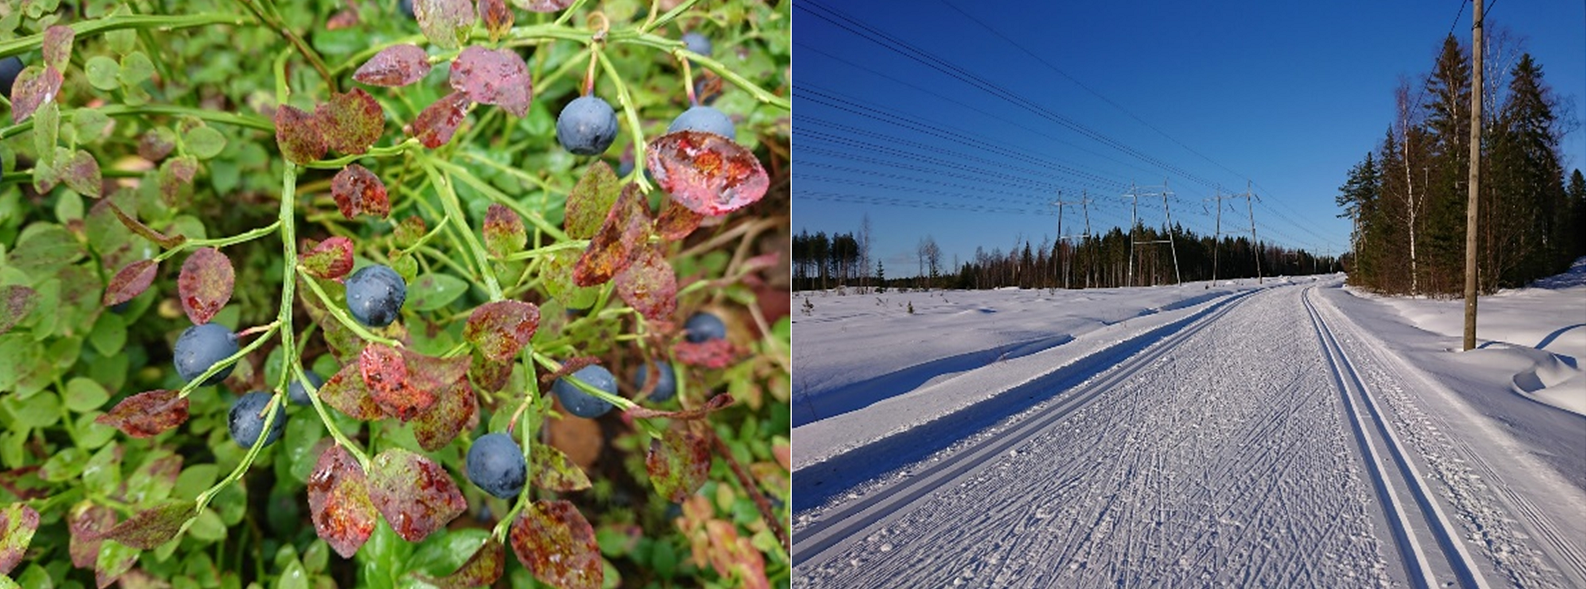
x=130 y=282
x=298 y=135
x=504 y=232
x=434 y=127
x=455 y=407
x=154 y=145
x=17 y=524
x=57 y=46
x=148 y=529
x=81 y=173
x=350 y=122
x=611 y=250
x=649 y=285
x=357 y=190
x=205 y=284
x=496 y=16
x=708 y=173
x=714 y=353
x=492 y=375
x=552 y=539
x=499 y=329
x=147 y=414
x=385 y=373
x=88 y=523
x=543 y=5
x=147 y=232
x=446 y=23
x=679 y=462
x=31 y=89
x=481 y=570
x=329 y=260
x=553 y=471
x=16 y=301
x=496 y=77
x=590 y=201
x=338 y=500
x=676 y=221
x=341 y=20
x=175 y=175
x=416 y=496
x=346 y=392
x=394 y=66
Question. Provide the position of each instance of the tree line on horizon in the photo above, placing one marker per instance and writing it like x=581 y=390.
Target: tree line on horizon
x=1408 y=196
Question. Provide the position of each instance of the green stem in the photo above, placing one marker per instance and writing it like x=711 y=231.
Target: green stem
x=622 y=403
x=324 y=417
x=220 y=242
x=677 y=48
x=576 y=244
x=274 y=22
x=454 y=212
x=630 y=110
x=341 y=162
x=655 y=23
x=125 y=21
x=121 y=110
x=192 y=385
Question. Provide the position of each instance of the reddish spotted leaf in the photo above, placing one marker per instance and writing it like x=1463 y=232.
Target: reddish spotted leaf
x=553 y=471
x=338 y=501
x=496 y=16
x=416 y=496
x=88 y=523
x=342 y=20
x=148 y=529
x=148 y=233
x=543 y=5
x=16 y=301
x=552 y=539
x=445 y=23
x=57 y=46
x=394 y=66
x=455 y=408
x=112 y=563
x=679 y=462
x=649 y=285
x=176 y=177
x=611 y=250
x=329 y=260
x=205 y=284
x=147 y=414
x=734 y=556
x=481 y=570
x=130 y=282
x=676 y=221
x=155 y=144
x=708 y=173
x=33 y=87
x=713 y=353
x=346 y=392
x=490 y=76
x=409 y=231
x=350 y=122
x=17 y=524
x=357 y=190
x=590 y=201
x=81 y=173
x=504 y=232
x=298 y=135
x=499 y=329
x=491 y=375
x=434 y=127
x=385 y=373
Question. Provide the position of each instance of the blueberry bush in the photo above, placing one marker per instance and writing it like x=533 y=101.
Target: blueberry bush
x=285 y=288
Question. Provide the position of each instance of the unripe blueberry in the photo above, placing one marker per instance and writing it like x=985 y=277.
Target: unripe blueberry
x=200 y=347
x=665 y=385
x=495 y=464
x=298 y=394
x=706 y=119
x=587 y=126
x=581 y=403
x=247 y=422
x=704 y=326
x=375 y=295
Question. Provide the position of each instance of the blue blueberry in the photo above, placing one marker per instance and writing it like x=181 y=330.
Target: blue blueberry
x=703 y=327
x=299 y=394
x=495 y=464
x=10 y=68
x=704 y=118
x=375 y=295
x=581 y=403
x=247 y=420
x=665 y=387
x=200 y=347
x=587 y=126
x=407 y=7
x=697 y=43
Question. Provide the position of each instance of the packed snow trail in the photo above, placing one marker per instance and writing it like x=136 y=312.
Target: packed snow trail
x=1255 y=447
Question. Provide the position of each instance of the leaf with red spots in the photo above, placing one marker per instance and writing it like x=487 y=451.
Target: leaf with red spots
x=496 y=16
x=499 y=329
x=346 y=392
x=734 y=556
x=676 y=221
x=708 y=173
x=436 y=124
x=155 y=144
x=715 y=403
x=16 y=301
x=17 y=524
x=455 y=407
x=147 y=414
x=493 y=76
x=87 y=524
x=416 y=496
x=394 y=66
x=176 y=177
x=33 y=87
x=357 y=190
x=714 y=353
x=298 y=135
x=148 y=233
x=350 y=122
x=543 y=5
x=328 y=260
x=338 y=501
x=553 y=471
x=409 y=231
x=80 y=172
x=57 y=46
x=446 y=23
x=205 y=284
x=679 y=462
x=649 y=285
x=504 y=232
x=611 y=250
x=385 y=373
x=590 y=201
x=552 y=539
x=481 y=570
x=491 y=375
x=148 y=529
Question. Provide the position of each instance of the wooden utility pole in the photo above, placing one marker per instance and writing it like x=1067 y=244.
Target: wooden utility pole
x=1475 y=178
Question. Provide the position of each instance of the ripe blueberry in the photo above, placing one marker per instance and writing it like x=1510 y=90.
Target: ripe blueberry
x=697 y=43
x=375 y=295
x=495 y=464
x=704 y=118
x=247 y=421
x=299 y=394
x=704 y=326
x=581 y=403
x=200 y=347
x=10 y=68
x=587 y=126
x=665 y=386
x=407 y=7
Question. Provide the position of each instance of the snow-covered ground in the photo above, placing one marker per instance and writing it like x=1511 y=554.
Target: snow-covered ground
x=1290 y=433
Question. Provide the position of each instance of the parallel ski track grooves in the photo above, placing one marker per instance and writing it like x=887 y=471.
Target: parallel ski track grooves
x=816 y=539
x=1417 y=561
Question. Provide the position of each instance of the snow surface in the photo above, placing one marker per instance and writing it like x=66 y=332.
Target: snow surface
x=1186 y=436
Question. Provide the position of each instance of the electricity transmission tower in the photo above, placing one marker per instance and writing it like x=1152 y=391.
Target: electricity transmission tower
x=1084 y=203
x=1135 y=192
x=1218 y=232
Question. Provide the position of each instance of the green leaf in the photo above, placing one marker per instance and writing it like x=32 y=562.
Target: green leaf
x=204 y=142
x=103 y=72
x=443 y=553
x=102 y=474
x=109 y=334
x=136 y=68
x=433 y=291
x=46 y=132
x=207 y=526
x=84 y=395
x=293 y=576
x=39 y=411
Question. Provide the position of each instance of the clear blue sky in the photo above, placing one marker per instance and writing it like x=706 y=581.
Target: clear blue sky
x=1004 y=104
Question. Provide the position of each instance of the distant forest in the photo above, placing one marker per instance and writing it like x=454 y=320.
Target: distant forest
x=1407 y=197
